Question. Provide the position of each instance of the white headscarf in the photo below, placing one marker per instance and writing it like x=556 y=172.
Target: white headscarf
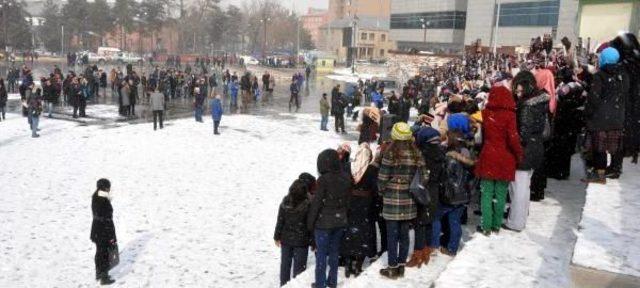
x=363 y=158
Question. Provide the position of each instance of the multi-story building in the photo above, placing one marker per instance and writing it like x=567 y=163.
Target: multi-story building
x=602 y=20
x=347 y=8
x=371 y=41
x=312 y=21
x=429 y=24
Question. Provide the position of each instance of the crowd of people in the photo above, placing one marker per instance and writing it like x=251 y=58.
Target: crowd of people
x=486 y=135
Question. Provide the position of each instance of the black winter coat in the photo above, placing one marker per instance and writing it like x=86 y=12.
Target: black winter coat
x=531 y=117
x=338 y=103
x=394 y=106
x=331 y=200
x=3 y=97
x=291 y=228
x=434 y=158
x=605 y=107
x=361 y=231
x=102 y=228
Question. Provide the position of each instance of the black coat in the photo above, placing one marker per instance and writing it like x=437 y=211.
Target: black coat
x=434 y=158
x=3 y=97
x=291 y=228
x=331 y=200
x=338 y=103
x=102 y=228
x=394 y=106
x=360 y=233
x=605 y=107
x=531 y=117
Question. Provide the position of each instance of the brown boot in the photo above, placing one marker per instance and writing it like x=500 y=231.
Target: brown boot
x=426 y=255
x=416 y=259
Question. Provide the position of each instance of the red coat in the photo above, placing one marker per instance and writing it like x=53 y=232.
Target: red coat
x=501 y=143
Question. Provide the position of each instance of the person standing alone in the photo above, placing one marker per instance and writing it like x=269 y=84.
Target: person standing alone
x=157 y=106
x=324 y=112
x=103 y=231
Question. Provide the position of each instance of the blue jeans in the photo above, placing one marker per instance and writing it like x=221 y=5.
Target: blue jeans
x=292 y=255
x=323 y=122
x=454 y=215
x=397 y=242
x=34 y=125
x=199 y=114
x=50 y=108
x=328 y=245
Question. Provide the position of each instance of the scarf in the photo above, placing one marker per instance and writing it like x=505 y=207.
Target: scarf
x=361 y=162
x=546 y=82
x=105 y=194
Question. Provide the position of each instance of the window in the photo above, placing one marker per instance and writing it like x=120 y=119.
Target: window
x=383 y=37
x=372 y=36
x=381 y=52
x=544 y=13
x=363 y=36
x=436 y=20
x=369 y=52
x=323 y=63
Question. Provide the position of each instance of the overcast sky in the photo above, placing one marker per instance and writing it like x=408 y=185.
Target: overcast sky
x=300 y=5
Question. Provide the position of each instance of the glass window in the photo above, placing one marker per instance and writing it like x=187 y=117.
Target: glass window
x=543 y=13
x=381 y=52
x=363 y=36
x=383 y=37
x=434 y=20
x=372 y=36
x=369 y=52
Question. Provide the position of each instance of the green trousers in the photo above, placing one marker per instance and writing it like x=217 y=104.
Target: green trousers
x=492 y=212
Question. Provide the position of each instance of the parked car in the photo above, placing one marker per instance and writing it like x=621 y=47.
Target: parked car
x=127 y=58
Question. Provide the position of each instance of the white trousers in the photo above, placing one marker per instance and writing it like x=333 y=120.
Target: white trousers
x=519 y=193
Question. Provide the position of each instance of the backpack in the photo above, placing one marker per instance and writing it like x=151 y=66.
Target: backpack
x=458 y=183
x=418 y=188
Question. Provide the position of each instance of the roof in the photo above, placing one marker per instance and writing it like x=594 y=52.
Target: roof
x=362 y=22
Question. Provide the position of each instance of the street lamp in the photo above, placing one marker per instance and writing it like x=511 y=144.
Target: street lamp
x=425 y=25
x=264 y=21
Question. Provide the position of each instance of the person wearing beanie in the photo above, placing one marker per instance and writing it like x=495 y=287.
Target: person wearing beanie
x=400 y=163
x=103 y=231
x=605 y=112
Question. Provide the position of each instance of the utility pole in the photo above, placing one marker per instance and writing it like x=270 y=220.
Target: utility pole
x=62 y=40
x=495 y=29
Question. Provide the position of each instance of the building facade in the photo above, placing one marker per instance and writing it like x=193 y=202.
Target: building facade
x=433 y=25
x=347 y=8
x=312 y=21
x=371 y=41
x=601 y=20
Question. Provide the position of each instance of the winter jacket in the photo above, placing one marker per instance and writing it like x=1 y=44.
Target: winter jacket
x=394 y=180
x=605 y=106
x=49 y=93
x=531 y=117
x=3 y=97
x=199 y=100
x=216 y=109
x=245 y=83
x=338 y=103
x=291 y=227
x=102 y=228
x=360 y=232
x=501 y=149
x=331 y=200
x=394 y=106
x=157 y=101
x=324 y=107
x=125 y=91
x=434 y=158
x=293 y=88
x=34 y=103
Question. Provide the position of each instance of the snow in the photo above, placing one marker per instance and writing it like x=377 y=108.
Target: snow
x=97 y=112
x=13 y=96
x=610 y=228
x=539 y=256
x=191 y=209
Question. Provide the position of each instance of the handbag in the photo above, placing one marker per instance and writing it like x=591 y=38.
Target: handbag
x=418 y=190
x=114 y=255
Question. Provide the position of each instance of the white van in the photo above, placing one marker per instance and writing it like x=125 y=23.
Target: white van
x=107 y=53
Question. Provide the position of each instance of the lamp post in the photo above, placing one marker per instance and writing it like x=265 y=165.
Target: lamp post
x=425 y=25
x=264 y=21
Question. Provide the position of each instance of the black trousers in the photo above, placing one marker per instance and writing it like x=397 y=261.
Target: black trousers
x=83 y=106
x=539 y=177
x=132 y=109
x=216 y=125
x=157 y=116
x=339 y=122
x=102 y=258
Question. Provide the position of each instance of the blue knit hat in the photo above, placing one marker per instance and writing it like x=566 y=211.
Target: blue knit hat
x=459 y=122
x=427 y=135
x=609 y=56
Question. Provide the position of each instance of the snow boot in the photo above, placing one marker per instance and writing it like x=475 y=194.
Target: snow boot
x=416 y=259
x=426 y=256
x=105 y=279
x=392 y=272
x=597 y=177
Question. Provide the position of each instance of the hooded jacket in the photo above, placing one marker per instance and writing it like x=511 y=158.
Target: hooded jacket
x=531 y=115
x=291 y=226
x=501 y=148
x=331 y=201
x=605 y=106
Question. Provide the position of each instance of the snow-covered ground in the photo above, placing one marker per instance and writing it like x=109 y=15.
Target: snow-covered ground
x=609 y=235
x=191 y=209
x=97 y=112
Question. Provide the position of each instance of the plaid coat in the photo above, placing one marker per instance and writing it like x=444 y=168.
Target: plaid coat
x=394 y=180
